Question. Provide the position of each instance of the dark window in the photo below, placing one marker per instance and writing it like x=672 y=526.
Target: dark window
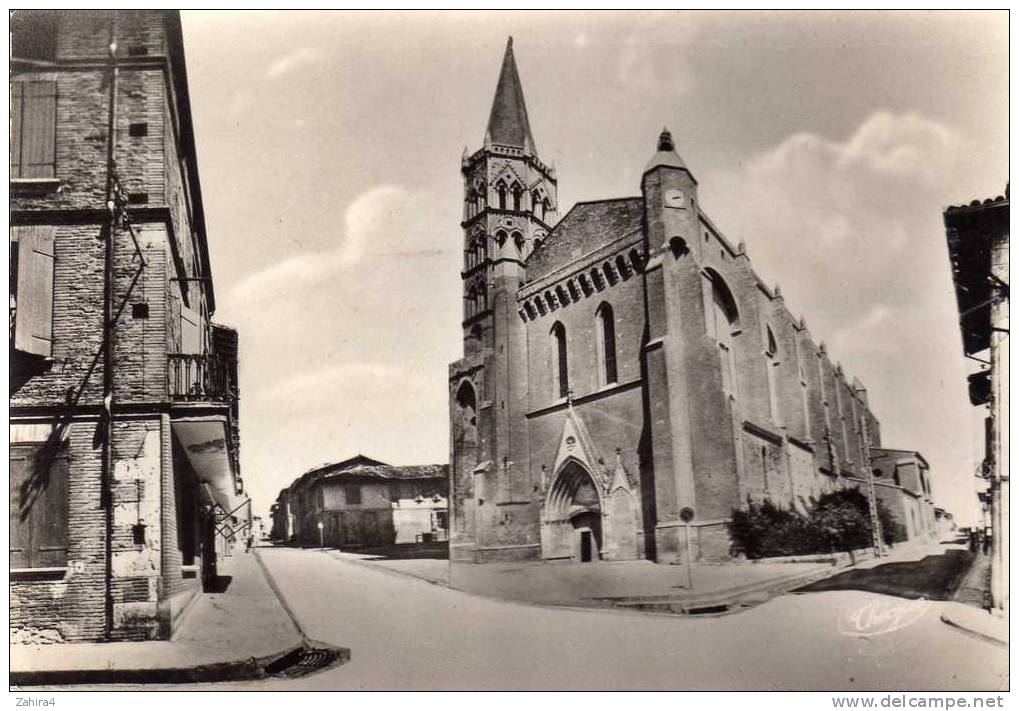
x=517 y=197
x=38 y=480
x=139 y=310
x=34 y=35
x=502 y=197
x=138 y=198
x=33 y=129
x=562 y=367
x=138 y=130
x=137 y=51
x=607 y=343
x=352 y=494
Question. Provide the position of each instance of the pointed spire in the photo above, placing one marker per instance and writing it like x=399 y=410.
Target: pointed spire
x=666 y=156
x=508 y=124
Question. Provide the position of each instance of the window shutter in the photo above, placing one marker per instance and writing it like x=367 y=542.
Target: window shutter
x=38 y=126
x=19 y=528
x=49 y=515
x=17 y=112
x=39 y=506
x=33 y=330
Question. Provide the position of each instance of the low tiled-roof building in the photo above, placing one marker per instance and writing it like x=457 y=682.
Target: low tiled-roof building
x=364 y=502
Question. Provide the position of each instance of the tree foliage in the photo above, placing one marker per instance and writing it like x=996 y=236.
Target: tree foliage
x=837 y=521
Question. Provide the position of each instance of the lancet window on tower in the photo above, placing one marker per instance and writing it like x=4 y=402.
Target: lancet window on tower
x=501 y=191
x=518 y=197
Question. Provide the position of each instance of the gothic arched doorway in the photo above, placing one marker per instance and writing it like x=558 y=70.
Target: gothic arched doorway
x=572 y=520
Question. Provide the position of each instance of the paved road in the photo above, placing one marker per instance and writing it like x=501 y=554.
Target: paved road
x=405 y=633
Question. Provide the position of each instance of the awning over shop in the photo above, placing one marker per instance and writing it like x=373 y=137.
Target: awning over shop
x=205 y=442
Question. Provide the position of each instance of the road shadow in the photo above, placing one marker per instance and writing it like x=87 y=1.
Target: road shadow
x=403 y=551
x=218 y=584
x=935 y=577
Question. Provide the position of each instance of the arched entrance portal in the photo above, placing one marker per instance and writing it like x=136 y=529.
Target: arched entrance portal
x=571 y=527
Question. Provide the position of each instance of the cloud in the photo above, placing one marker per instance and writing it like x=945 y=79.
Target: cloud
x=656 y=58
x=852 y=231
x=315 y=384
x=291 y=61
x=385 y=221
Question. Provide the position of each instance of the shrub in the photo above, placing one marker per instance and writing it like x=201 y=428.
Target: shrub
x=838 y=521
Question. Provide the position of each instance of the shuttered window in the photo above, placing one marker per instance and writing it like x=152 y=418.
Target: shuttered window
x=38 y=478
x=32 y=289
x=34 y=124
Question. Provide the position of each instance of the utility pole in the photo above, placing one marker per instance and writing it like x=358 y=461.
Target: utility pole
x=875 y=520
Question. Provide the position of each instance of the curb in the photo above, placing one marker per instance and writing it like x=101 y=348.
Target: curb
x=237 y=670
x=947 y=618
x=234 y=670
x=279 y=596
x=604 y=608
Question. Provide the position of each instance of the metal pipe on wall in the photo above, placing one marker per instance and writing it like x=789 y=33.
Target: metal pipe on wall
x=108 y=324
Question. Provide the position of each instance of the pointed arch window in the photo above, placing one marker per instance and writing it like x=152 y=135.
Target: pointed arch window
x=804 y=392
x=723 y=325
x=501 y=189
x=470 y=303
x=482 y=298
x=605 y=335
x=518 y=242
x=771 y=364
x=560 y=366
x=536 y=205
x=518 y=197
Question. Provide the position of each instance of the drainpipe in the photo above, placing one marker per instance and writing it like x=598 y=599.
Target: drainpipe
x=107 y=454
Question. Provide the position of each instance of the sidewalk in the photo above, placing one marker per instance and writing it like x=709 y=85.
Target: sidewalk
x=969 y=611
x=234 y=634
x=635 y=584
x=631 y=583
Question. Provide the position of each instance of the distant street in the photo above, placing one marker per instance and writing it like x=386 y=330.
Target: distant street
x=405 y=633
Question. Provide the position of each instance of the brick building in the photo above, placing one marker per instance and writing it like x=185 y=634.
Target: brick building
x=977 y=237
x=123 y=398
x=902 y=483
x=622 y=363
x=363 y=502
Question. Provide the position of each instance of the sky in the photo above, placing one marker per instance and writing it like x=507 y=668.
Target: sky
x=329 y=149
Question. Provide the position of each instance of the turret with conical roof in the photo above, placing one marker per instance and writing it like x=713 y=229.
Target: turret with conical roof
x=670 y=198
x=666 y=156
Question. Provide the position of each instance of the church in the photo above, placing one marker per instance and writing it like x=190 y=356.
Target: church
x=627 y=378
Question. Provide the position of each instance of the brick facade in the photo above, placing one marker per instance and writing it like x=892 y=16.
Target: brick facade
x=119 y=590
x=720 y=395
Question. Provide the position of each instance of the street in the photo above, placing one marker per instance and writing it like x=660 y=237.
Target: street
x=405 y=633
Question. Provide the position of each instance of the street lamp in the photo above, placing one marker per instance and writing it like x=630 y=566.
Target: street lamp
x=321 y=540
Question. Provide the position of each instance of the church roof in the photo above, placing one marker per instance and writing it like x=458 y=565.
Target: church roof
x=585 y=228
x=508 y=124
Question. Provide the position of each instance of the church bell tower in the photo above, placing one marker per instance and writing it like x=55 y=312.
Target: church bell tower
x=510 y=205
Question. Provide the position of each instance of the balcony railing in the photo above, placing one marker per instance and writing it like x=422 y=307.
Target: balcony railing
x=197 y=378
